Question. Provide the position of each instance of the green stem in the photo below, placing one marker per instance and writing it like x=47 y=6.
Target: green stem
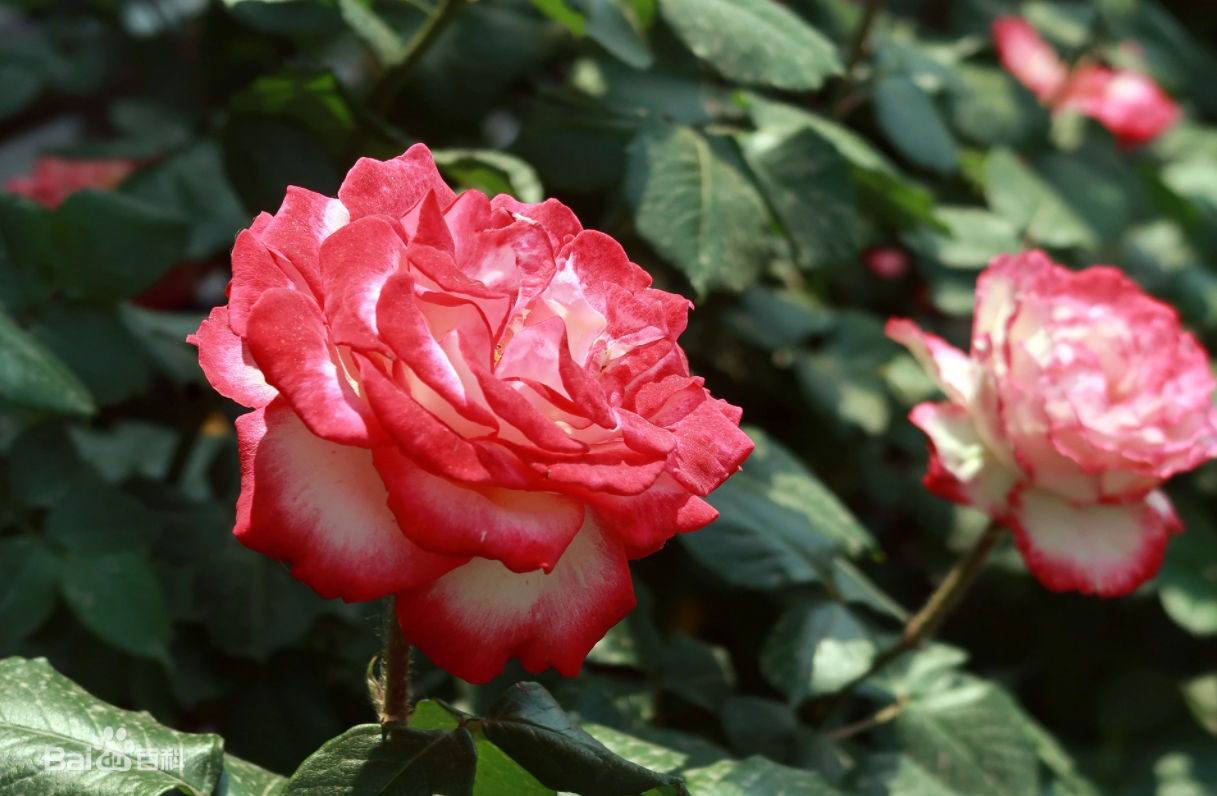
x=945 y=598
x=391 y=82
x=844 y=103
x=395 y=705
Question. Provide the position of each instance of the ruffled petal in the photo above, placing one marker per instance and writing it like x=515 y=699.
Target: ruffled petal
x=298 y=228
x=524 y=530
x=645 y=522
x=227 y=363
x=434 y=445
x=355 y=263
x=287 y=337
x=951 y=368
x=1100 y=549
x=1028 y=57
x=321 y=508
x=473 y=619
x=392 y=187
x=962 y=468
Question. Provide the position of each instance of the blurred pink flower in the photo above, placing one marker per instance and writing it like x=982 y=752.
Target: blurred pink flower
x=887 y=262
x=54 y=179
x=1128 y=103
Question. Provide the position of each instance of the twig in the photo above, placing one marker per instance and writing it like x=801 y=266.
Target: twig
x=392 y=81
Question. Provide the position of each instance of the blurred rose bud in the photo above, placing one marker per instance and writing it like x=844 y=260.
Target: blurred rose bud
x=887 y=262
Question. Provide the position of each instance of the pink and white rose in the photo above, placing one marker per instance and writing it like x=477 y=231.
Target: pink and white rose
x=471 y=403
x=1080 y=397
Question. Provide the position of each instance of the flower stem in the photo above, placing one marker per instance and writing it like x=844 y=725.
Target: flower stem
x=846 y=97
x=945 y=598
x=392 y=81
x=395 y=705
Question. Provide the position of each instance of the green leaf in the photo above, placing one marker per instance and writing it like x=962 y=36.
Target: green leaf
x=112 y=246
x=30 y=375
x=811 y=188
x=497 y=774
x=242 y=778
x=971 y=740
x=971 y=237
x=95 y=343
x=816 y=649
x=563 y=14
x=692 y=203
x=616 y=26
x=754 y=41
x=991 y=108
x=756 y=776
x=119 y=598
x=909 y=120
x=696 y=671
x=22 y=79
x=94 y=519
x=29 y=581
x=881 y=186
x=125 y=449
x=408 y=762
x=27 y=261
x=778 y=524
x=1023 y=198
x=1187 y=584
x=49 y=465
x=1200 y=693
x=644 y=753
x=844 y=388
x=757 y=726
x=852 y=586
x=894 y=774
x=532 y=729
x=251 y=605
x=776 y=319
x=162 y=336
x=791 y=484
x=48 y=723
x=373 y=31
x=193 y=186
x=491 y=172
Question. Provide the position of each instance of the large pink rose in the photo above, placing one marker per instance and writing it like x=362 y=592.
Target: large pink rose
x=1128 y=103
x=473 y=404
x=1080 y=397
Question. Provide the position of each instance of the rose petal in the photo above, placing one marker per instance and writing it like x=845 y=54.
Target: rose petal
x=645 y=522
x=435 y=446
x=524 y=530
x=962 y=468
x=392 y=187
x=1100 y=549
x=355 y=263
x=288 y=340
x=298 y=228
x=473 y=619
x=228 y=364
x=951 y=368
x=1028 y=57
x=321 y=508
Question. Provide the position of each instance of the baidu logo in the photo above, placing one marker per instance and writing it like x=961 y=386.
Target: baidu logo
x=113 y=751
